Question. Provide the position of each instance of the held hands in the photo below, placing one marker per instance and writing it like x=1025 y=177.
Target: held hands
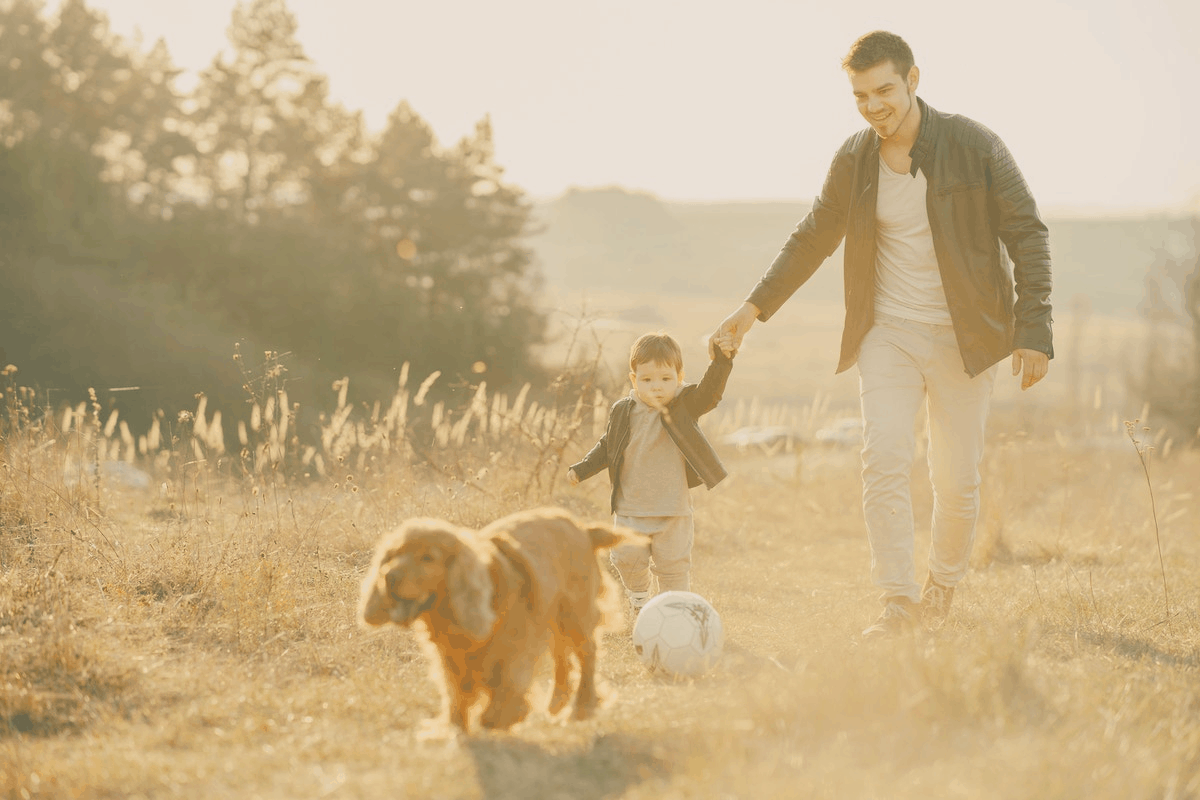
x=728 y=336
x=1034 y=363
x=572 y=478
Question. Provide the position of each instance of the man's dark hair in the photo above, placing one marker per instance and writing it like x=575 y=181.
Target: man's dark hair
x=873 y=48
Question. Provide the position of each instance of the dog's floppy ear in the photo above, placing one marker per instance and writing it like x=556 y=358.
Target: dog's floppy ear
x=373 y=598
x=470 y=586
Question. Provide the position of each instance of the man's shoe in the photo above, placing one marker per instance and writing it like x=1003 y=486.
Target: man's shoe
x=900 y=617
x=935 y=603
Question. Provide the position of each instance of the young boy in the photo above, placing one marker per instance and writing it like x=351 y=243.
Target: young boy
x=655 y=452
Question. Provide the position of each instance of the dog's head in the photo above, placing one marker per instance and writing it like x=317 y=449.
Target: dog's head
x=420 y=564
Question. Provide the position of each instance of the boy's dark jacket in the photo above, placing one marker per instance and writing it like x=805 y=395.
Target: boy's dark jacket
x=679 y=418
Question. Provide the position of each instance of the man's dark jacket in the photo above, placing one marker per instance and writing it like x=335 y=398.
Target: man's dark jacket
x=977 y=201
x=680 y=418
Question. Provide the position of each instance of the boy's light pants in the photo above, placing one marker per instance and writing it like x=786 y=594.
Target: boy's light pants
x=669 y=557
x=903 y=364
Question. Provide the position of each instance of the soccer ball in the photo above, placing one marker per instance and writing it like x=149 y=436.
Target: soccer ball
x=678 y=634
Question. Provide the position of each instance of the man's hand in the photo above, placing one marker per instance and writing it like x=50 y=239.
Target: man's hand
x=572 y=478
x=732 y=330
x=1035 y=364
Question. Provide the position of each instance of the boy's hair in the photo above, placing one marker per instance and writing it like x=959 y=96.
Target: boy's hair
x=656 y=347
x=873 y=48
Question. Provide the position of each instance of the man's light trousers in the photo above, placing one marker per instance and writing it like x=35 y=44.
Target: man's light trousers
x=902 y=365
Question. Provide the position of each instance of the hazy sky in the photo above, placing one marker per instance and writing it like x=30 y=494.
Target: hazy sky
x=704 y=100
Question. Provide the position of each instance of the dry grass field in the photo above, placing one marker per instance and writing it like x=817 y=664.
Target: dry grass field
x=178 y=621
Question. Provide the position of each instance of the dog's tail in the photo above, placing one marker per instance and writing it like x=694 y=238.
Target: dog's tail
x=607 y=536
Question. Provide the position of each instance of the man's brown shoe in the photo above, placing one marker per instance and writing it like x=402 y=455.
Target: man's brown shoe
x=900 y=616
x=935 y=603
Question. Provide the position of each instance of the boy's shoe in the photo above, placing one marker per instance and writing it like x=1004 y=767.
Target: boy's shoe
x=636 y=601
x=935 y=603
x=900 y=616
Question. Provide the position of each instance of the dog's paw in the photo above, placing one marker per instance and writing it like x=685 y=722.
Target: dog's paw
x=558 y=702
x=437 y=730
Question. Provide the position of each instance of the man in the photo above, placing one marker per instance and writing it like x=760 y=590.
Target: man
x=928 y=204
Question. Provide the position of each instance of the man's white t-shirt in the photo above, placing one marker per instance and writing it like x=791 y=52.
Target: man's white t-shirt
x=907 y=281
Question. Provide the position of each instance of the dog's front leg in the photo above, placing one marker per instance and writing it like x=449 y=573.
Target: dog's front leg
x=509 y=701
x=459 y=690
x=586 y=697
x=562 y=674
x=458 y=707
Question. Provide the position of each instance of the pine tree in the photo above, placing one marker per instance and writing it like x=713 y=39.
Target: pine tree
x=261 y=117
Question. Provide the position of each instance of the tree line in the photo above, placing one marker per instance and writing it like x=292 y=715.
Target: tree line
x=145 y=230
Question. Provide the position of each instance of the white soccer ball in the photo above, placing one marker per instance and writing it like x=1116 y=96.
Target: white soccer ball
x=678 y=634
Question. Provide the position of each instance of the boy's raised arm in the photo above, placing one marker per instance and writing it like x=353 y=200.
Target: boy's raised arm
x=712 y=386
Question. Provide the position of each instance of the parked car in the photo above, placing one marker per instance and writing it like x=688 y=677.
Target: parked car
x=842 y=432
x=766 y=437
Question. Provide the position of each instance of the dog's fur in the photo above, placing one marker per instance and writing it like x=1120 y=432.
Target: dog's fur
x=492 y=602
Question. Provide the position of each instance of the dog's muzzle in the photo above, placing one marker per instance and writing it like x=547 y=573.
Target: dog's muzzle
x=404 y=610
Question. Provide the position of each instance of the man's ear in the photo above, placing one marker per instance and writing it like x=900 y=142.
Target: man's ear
x=914 y=78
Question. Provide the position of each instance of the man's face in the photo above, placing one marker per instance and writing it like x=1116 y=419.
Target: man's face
x=655 y=383
x=885 y=97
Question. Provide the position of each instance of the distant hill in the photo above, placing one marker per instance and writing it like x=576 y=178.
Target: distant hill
x=614 y=239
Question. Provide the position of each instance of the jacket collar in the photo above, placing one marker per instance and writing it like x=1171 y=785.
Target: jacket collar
x=922 y=148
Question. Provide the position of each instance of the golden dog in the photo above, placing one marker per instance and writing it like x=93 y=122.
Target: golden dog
x=492 y=602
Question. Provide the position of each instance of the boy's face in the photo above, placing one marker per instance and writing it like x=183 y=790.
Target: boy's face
x=655 y=383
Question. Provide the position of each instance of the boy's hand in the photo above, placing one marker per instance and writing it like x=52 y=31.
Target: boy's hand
x=572 y=478
x=728 y=336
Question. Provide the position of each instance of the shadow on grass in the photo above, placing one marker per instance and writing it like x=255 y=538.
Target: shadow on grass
x=511 y=768
x=739 y=661
x=1134 y=648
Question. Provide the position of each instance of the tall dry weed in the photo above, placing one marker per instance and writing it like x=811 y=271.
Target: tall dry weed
x=1144 y=450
